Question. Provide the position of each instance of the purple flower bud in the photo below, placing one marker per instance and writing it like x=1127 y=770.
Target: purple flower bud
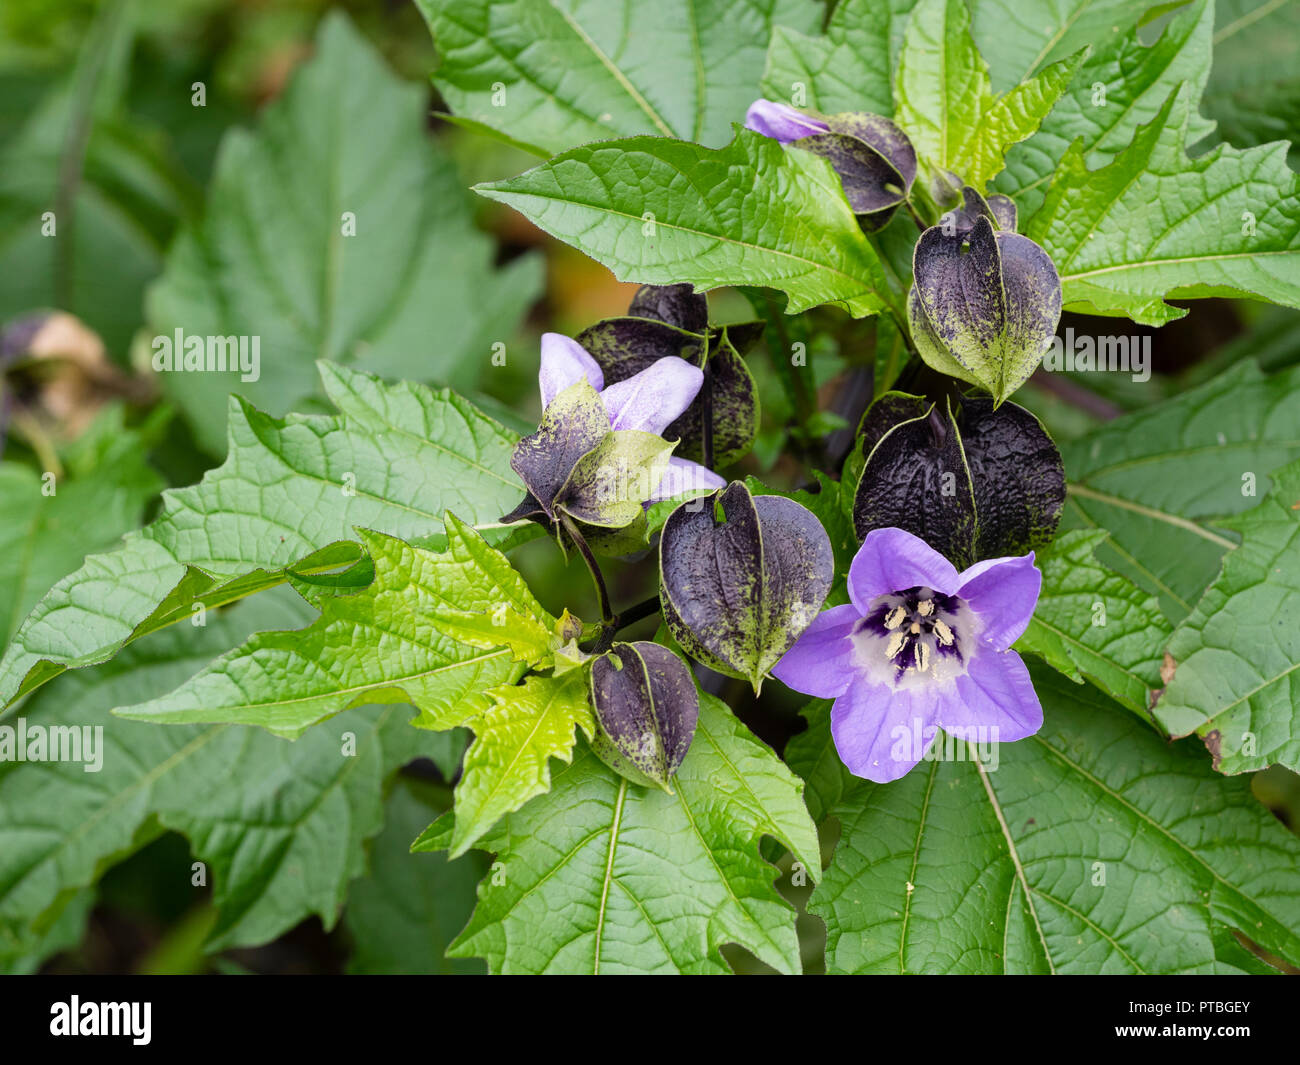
x=781 y=122
x=874 y=159
x=647 y=709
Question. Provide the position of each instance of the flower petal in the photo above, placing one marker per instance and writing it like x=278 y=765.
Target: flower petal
x=1003 y=592
x=683 y=476
x=819 y=662
x=880 y=734
x=565 y=361
x=781 y=122
x=654 y=398
x=995 y=692
x=891 y=560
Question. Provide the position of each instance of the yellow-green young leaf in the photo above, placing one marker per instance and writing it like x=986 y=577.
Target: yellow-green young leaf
x=527 y=638
x=1121 y=86
x=1237 y=655
x=514 y=740
x=1082 y=849
x=1010 y=118
x=516 y=620
x=337 y=229
x=551 y=74
x=1228 y=223
x=380 y=644
x=394 y=458
x=1092 y=623
x=604 y=876
x=664 y=212
x=946 y=103
x=851 y=67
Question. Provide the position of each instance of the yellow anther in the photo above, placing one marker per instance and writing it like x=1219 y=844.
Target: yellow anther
x=922 y=656
x=895 y=644
x=943 y=632
x=895 y=617
x=925 y=607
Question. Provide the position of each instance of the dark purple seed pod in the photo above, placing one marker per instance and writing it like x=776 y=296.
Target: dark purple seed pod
x=647 y=708
x=984 y=303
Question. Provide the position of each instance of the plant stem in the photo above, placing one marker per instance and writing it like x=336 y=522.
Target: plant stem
x=593 y=567
x=805 y=404
x=630 y=616
x=706 y=391
x=894 y=295
x=642 y=610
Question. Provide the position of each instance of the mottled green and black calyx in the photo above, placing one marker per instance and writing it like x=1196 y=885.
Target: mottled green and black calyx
x=741 y=577
x=647 y=708
x=874 y=160
x=985 y=301
x=674 y=320
x=577 y=465
x=998 y=209
x=972 y=480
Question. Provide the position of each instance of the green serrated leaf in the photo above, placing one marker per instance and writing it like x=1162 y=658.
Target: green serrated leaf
x=356 y=246
x=408 y=909
x=1092 y=623
x=1229 y=223
x=945 y=98
x=517 y=620
x=381 y=644
x=1121 y=86
x=394 y=458
x=386 y=643
x=849 y=68
x=514 y=740
x=1018 y=38
x=1082 y=849
x=1254 y=88
x=43 y=537
x=281 y=827
x=1237 y=654
x=602 y=876
x=1160 y=480
x=102 y=176
x=752 y=213
x=551 y=74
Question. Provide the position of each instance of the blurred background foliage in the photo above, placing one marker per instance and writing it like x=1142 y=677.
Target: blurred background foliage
x=168 y=212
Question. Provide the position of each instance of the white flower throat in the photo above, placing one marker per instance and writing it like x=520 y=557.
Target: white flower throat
x=916 y=636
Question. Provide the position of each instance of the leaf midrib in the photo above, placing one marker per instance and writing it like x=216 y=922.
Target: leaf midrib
x=622 y=79
x=813 y=264
x=1015 y=858
x=615 y=825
